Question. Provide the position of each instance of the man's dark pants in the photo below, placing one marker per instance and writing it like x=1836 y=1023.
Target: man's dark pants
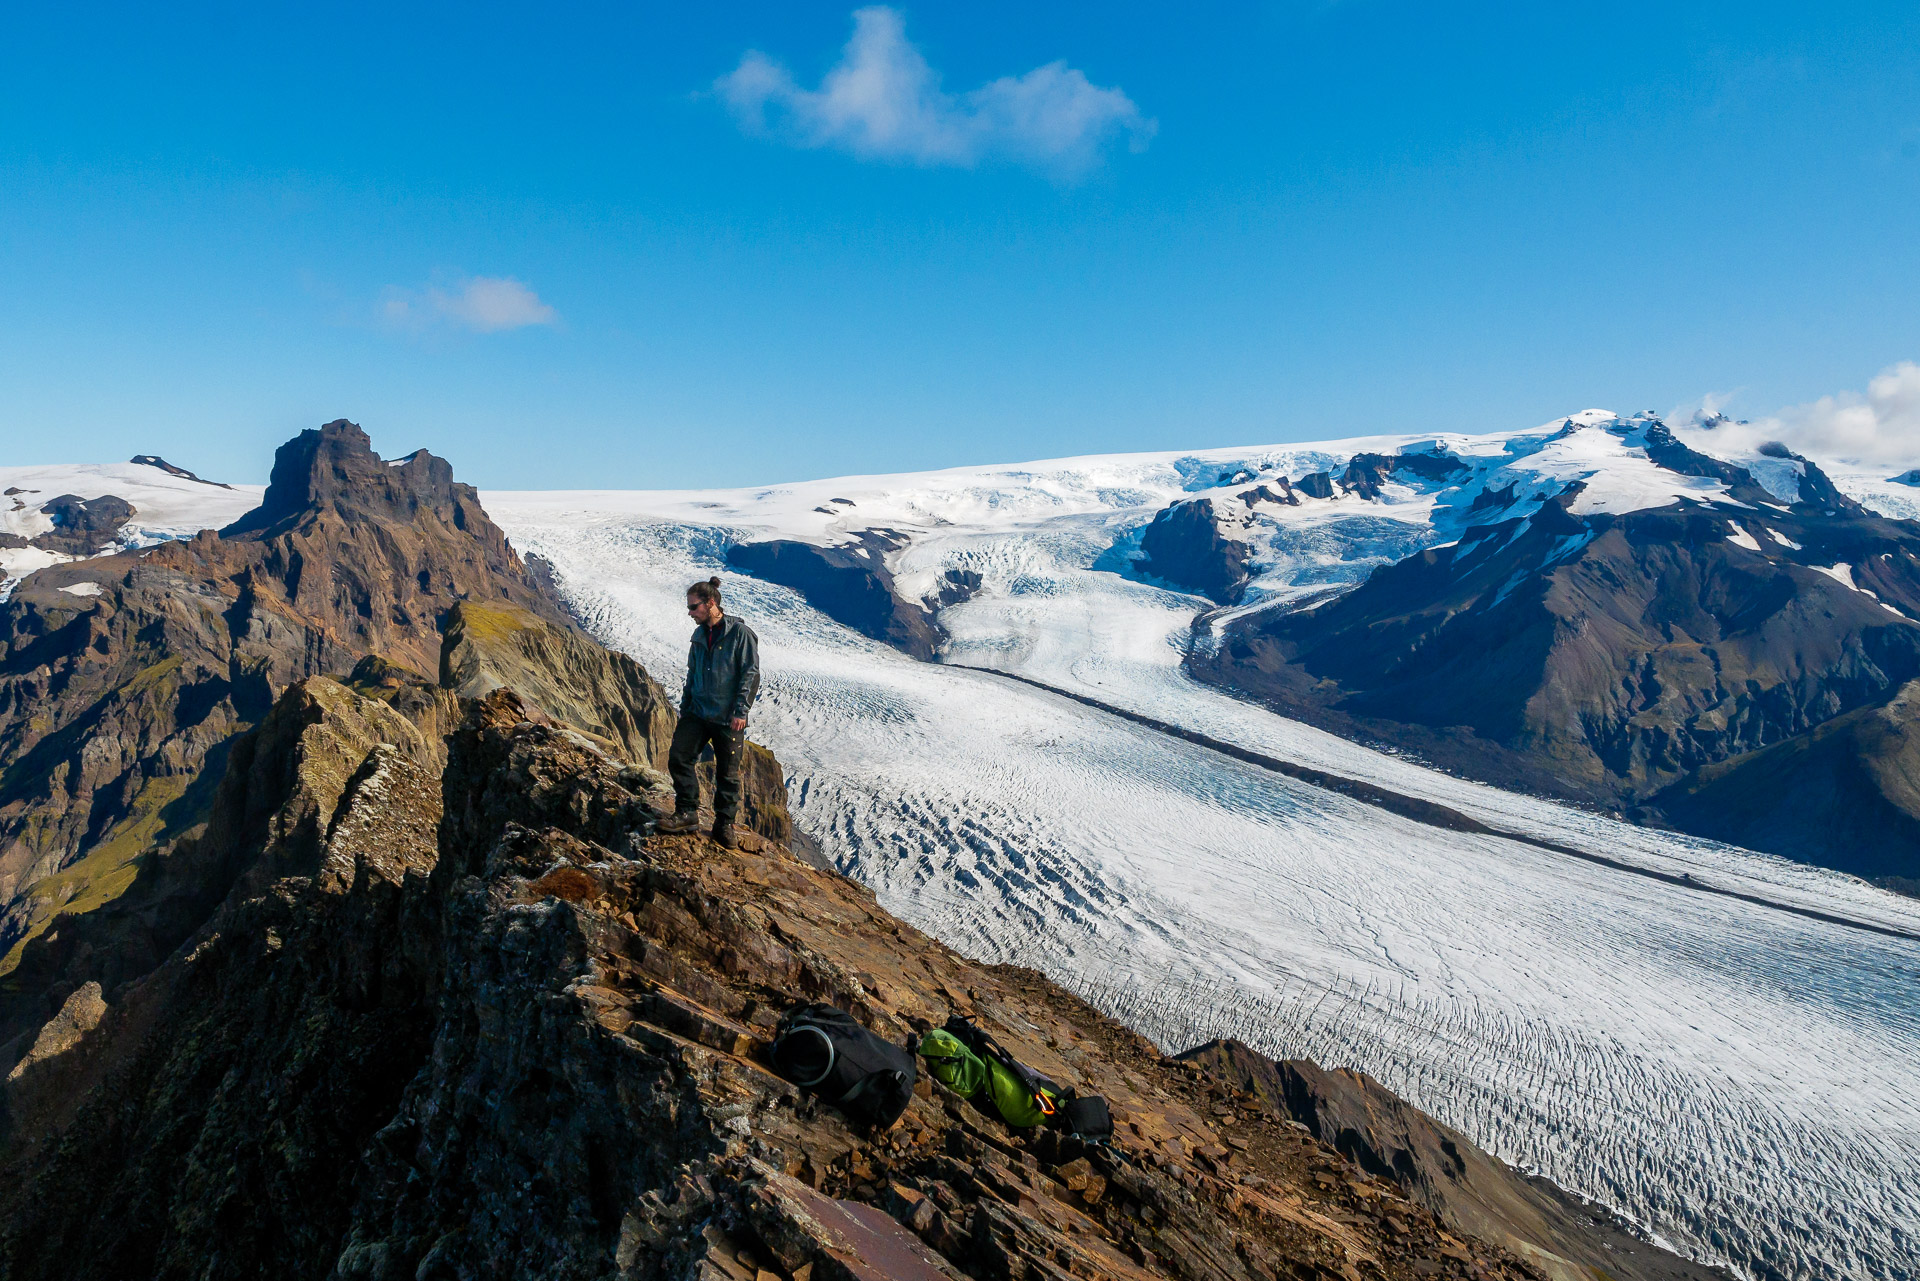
x=729 y=746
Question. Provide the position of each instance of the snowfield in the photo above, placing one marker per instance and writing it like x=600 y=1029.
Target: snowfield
x=165 y=507
x=1743 y=1082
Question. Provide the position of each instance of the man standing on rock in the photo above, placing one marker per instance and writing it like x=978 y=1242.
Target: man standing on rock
x=723 y=675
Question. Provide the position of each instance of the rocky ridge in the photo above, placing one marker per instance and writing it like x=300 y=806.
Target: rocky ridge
x=495 y=1028
x=1465 y=1188
x=127 y=682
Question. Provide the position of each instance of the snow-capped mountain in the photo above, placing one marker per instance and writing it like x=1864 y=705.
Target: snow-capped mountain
x=1603 y=613
x=1704 y=1038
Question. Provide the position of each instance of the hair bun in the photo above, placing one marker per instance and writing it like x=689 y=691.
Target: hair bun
x=713 y=582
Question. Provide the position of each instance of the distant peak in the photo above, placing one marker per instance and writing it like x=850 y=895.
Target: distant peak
x=154 y=460
x=333 y=467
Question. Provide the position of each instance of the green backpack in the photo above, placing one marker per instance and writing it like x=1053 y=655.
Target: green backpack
x=958 y=1068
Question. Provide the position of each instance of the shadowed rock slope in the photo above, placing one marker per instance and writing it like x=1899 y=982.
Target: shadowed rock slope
x=488 y=1026
x=852 y=585
x=1853 y=783
x=1469 y=1191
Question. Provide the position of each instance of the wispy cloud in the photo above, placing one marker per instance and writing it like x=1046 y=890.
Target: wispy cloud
x=883 y=101
x=1878 y=428
x=484 y=304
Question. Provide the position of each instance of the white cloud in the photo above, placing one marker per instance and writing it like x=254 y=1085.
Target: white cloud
x=485 y=304
x=1878 y=429
x=883 y=101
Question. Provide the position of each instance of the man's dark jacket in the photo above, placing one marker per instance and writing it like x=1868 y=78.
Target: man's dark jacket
x=723 y=672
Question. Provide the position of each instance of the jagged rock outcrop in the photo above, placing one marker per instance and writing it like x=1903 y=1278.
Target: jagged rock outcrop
x=128 y=683
x=1185 y=546
x=585 y=686
x=370 y=554
x=565 y=675
x=850 y=584
x=500 y=1030
x=1471 y=1192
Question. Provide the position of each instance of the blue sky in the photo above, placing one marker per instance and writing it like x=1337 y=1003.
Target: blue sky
x=624 y=245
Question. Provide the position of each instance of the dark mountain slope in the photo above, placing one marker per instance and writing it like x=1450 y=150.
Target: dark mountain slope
x=850 y=584
x=1184 y=545
x=1604 y=657
x=1848 y=793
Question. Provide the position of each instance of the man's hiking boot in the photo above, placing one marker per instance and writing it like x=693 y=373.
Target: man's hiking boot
x=678 y=821
x=723 y=835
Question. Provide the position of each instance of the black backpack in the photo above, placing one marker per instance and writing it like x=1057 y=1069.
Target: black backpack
x=824 y=1049
x=1084 y=1116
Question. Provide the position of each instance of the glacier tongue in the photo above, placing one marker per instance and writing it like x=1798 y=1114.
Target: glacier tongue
x=1741 y=1081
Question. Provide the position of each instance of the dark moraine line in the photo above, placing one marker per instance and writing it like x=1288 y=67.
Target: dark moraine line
x=1430 y=813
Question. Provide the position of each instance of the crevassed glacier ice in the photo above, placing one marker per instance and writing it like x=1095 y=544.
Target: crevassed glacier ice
x=1743 y=1082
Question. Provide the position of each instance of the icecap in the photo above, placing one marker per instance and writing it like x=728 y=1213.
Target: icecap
x=165 y=507
x=1740 y=1080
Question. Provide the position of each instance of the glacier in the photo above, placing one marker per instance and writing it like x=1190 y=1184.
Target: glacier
x=1739 y=1081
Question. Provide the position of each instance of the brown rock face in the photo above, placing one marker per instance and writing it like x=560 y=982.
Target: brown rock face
x=496 y=1029
x=569 y=678
x=371 y=555
x=562 y=674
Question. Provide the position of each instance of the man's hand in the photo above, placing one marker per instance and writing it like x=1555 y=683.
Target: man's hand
x=739 y=723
